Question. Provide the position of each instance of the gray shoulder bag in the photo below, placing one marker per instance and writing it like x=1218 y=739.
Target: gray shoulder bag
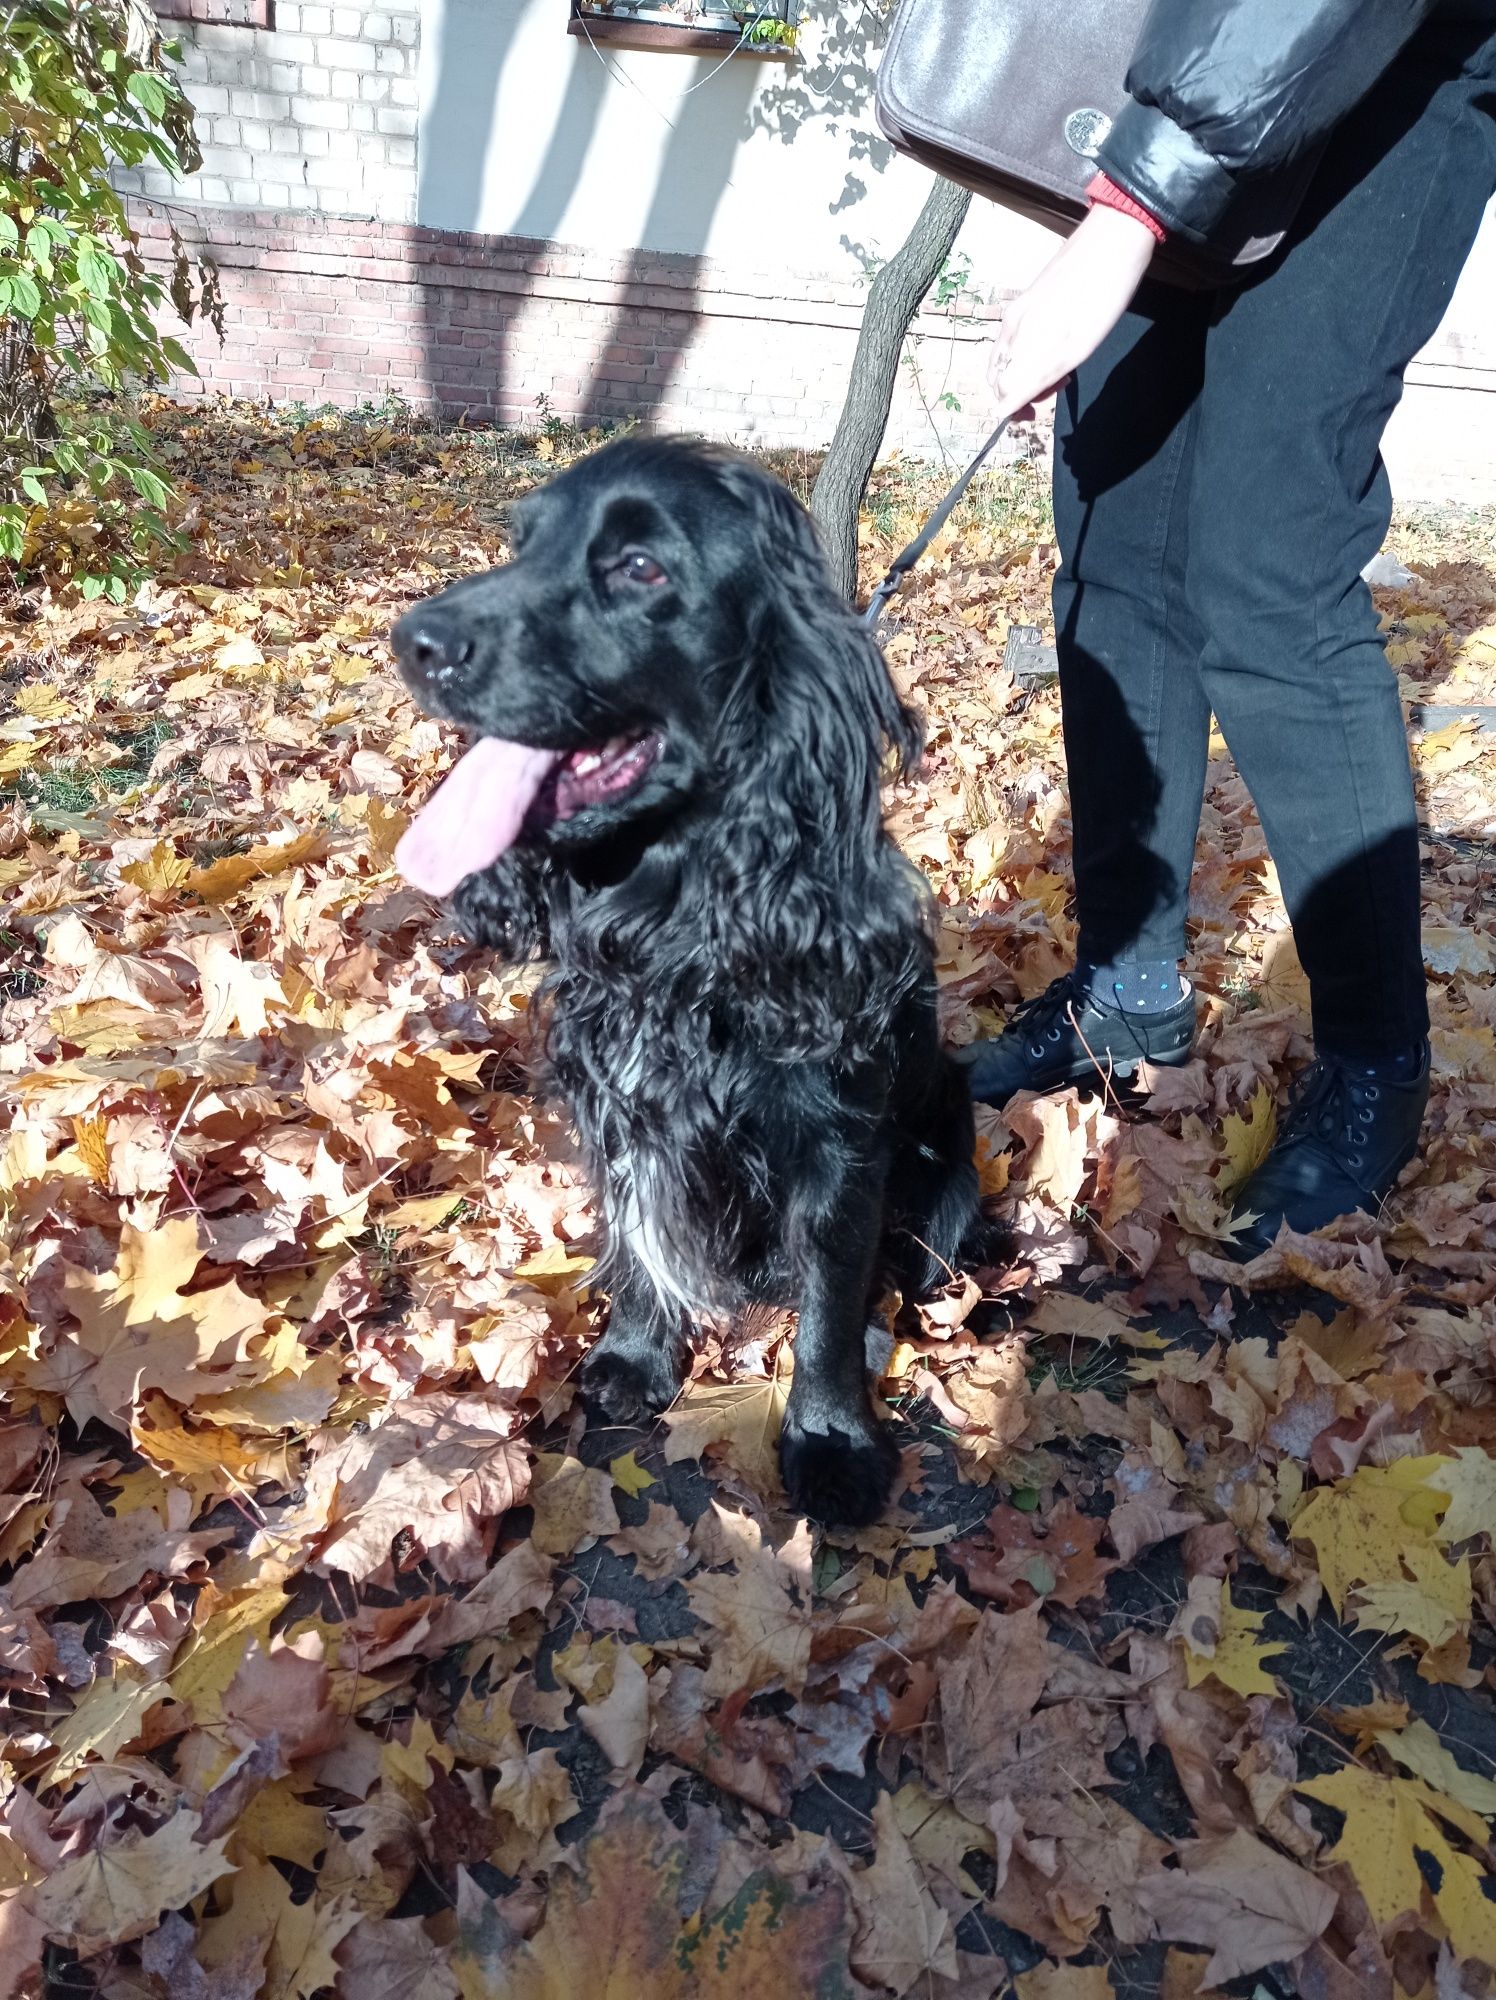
x=1013 y=99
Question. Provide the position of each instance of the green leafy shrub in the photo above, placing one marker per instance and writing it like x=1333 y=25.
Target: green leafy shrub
x=84 y=88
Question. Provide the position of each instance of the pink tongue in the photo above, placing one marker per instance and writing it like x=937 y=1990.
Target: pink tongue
x=474 y=815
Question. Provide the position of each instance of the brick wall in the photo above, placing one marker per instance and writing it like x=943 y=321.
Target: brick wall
x=316 y=115
x=324 y=310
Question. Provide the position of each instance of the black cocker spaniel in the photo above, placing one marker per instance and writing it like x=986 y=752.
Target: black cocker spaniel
x=680 y=731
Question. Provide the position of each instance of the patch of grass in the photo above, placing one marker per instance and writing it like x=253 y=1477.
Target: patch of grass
x=1081 y=1365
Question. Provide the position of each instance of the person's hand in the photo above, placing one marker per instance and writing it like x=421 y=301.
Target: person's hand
x=1069 y=309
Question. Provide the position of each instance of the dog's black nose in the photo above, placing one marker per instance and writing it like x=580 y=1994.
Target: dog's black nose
x=431 y=643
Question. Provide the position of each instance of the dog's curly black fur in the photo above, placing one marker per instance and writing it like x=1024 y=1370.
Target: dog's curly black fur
x=741 y=1004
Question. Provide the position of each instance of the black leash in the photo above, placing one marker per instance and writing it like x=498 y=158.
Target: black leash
x=907 y=558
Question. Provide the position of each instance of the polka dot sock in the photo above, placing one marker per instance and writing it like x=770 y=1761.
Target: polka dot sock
x=1133 y=986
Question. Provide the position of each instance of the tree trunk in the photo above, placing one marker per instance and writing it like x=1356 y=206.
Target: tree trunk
x=892 y=301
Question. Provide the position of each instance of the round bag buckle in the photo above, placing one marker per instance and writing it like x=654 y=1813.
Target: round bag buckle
x=1086 y=130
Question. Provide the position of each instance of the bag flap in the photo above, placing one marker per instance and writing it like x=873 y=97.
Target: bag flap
x=1019 y=86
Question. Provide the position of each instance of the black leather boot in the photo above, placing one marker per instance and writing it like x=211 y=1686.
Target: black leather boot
x=1061 y=1036
x=1347 y=1135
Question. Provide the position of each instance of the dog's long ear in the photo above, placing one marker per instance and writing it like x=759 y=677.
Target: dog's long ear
x=821 y=918
x=813 y=651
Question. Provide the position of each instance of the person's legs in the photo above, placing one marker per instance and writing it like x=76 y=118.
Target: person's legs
x=1136 y=722
x=1289 y=500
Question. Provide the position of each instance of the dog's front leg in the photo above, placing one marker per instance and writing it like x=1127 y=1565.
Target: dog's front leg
x=635 y=1370
x=837 y=1461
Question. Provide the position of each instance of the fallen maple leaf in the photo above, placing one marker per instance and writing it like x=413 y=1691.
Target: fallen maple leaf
x=759 y=1612
x=1236 y=1658
x=613 y=1928
x=1470 y=1481
x=1245 y=1141
x=573 y=1504
x=1248 y=1903
x=1418 y=1749
x=1362 y=1526
x=1386 y=1820
x=904 y=1937
x=742 y=1417
x=1432 y=1601
x=117 y=1892
x=1065 y=1982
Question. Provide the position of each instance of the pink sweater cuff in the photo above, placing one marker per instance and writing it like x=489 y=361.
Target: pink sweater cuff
x=1103 y=193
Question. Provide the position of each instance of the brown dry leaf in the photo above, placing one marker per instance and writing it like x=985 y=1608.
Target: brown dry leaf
x=744 y=1418
x=118 y=1892
x=573 y=1504
x=1065 y=1982
x=442 y=1469
x=620 y=1722
x=758 y=1612
x=1047 y=1555
x=393 y=1959
x=286 y=1692
x=904 y=1937
x=613 y=1928
x=1249 y=1904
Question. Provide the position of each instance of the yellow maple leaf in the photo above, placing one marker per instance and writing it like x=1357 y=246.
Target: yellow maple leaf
x=1469 y=1478
x=108 y=1716
x=1419 y=1750
x=203 y=1674
x=152 y=1267
x=225 y=878
x=209 y=1464
x=1239 y=1653
x=556 y=1263
x=1245 y=1140
x=160 y=871
x=91 y=1136
x=1433 y=1603
x=627 y=1472
x=1385 y=1819
x=1361 y=1526
x=298 y=1938
x=1448 y=749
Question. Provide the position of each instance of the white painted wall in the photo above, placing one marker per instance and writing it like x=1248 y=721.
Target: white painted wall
x=526 y=131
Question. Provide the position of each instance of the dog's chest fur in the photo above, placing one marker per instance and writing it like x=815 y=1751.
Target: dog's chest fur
x=686 y=1128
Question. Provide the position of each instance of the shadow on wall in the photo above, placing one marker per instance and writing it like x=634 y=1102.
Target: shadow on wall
x=694 y=170
x=482 y=337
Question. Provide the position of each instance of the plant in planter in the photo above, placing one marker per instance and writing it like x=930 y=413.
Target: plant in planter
x=764 y=31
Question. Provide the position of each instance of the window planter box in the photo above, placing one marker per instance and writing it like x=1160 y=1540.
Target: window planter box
x=222 y=13
x=662 y=28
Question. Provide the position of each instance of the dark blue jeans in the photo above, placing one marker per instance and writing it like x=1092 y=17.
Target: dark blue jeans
x=1218 y=488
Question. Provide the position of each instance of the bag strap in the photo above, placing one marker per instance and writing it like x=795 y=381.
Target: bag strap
x=905 y=560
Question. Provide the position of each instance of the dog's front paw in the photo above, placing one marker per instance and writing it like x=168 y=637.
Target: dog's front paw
x=841 y=1478
x=629 y=1388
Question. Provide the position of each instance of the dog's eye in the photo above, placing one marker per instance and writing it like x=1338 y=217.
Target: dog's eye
x=636 y=567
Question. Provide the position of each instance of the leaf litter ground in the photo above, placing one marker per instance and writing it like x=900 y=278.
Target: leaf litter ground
x=339 y=1656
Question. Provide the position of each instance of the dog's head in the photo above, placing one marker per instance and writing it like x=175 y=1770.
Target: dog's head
x=664 y=639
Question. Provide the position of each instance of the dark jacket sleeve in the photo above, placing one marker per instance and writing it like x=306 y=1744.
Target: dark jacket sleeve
x=1219 y=88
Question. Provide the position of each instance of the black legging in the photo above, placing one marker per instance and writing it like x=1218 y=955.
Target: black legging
x=1218 y=488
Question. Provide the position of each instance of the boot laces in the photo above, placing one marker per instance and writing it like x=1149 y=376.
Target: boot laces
x=1039 y=1018
x=1330 y=1101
